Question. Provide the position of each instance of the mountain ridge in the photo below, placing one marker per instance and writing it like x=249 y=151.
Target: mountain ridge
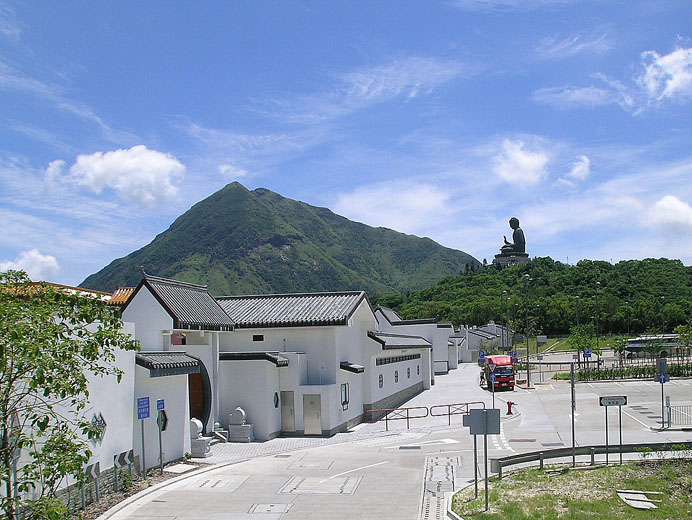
x=240 y=241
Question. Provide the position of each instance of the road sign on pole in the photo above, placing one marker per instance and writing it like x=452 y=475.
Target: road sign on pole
x=613 y=400
x=143 y=413
x=587 y=352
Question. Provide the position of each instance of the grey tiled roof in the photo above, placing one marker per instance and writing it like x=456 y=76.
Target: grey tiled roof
x=389 y=340
x=167 y=363
x=394 y=319
x=291 y=310
x=190 y=305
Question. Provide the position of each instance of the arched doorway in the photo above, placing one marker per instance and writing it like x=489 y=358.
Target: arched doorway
x=199 y=394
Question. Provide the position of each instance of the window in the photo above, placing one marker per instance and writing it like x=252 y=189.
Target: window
x=408 y=373
x=396 y=376
x=417 y=370
x=344 y=396
x=258 y=337
x=381 y=381
x=276 y=400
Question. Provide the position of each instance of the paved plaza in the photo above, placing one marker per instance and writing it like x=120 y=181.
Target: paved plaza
x=373 y=473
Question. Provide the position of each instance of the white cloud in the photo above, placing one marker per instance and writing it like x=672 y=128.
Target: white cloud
x=671 y=216
x=508 y=5
x=554 y=49
x=407 y=78
x=668 y=76
x=409 y=207
x=139 y=174
x=232 y=172
x=580 y=169
x=573 y=97
x=517 y=165
x=54 y=172
x=8 y=27
x=36 y=265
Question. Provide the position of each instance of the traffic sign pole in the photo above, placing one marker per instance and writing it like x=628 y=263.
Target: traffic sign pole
x=620 y=425
x=475 y=464
x=606 y=432
x=574 y=409
x=143 y=465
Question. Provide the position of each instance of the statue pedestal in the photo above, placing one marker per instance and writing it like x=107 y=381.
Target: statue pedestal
x=505 y=259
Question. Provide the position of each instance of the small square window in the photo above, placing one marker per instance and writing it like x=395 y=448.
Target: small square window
x=258 y=337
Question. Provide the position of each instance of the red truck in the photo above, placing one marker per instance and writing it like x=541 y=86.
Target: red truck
x=503 y=368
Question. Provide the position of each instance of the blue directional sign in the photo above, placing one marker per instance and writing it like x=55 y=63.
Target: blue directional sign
x=493 y=378
x=481 y=354
x=587 y=352
x=663 y=378
x=142 y=408
x=160 y=404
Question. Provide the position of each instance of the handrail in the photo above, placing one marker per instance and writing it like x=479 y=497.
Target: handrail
x=453 y=409
x=497 y=464
x=395 y=414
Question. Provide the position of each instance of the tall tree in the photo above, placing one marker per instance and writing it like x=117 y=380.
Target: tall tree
x=51 y=343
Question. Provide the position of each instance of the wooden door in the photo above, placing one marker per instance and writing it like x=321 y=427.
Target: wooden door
x=196 y=391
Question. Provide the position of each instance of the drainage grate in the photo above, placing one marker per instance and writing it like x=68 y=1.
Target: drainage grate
x=226 y=485
x=440 y=473
x=320 y=486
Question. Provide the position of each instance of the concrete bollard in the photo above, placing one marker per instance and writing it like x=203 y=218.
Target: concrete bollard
x=540 y=458
x=593 y=455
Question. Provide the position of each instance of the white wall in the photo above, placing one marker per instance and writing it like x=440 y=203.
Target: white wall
x=251 y=385
x=176 y=438
x=149 y=319
x=317 y=342
x=390 y=386
x=114 y=401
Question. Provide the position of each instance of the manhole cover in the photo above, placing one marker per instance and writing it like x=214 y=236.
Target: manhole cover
x=320 y=486
x=270 y=508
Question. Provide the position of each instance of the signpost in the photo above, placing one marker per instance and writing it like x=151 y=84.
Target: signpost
x=662 y=377
x=483 y=422
x=539 y=357
x=143 y=413
x=493 y=378
x=126 y=457
x=162 y=423
x=613 y=400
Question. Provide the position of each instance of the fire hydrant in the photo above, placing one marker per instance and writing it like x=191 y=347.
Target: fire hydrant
x=509 y=407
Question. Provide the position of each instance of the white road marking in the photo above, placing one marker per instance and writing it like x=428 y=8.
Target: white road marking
x=619 y=384
x=633 y=417
x=356 y=469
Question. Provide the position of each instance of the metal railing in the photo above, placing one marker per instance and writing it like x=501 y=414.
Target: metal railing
x=396 y=414
x=416 y=412
x=497 y=465
x=453 y=409
x=680 y=415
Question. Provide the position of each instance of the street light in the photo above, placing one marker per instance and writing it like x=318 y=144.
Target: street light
x=527 y=279
x=514 y=321
x=509 y=347
x=663 y=316
x=598 y=284
x=502 y=318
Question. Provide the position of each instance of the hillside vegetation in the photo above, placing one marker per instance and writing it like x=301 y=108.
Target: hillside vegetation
x=474 y=297
x=246 y=242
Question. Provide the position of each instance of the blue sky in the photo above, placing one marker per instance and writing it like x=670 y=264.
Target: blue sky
x=440 y=119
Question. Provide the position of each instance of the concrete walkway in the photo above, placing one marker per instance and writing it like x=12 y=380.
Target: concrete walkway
x=291 y=477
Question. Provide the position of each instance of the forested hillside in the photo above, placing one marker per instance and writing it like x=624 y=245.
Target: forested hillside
x=248 y=242
x=644 y=295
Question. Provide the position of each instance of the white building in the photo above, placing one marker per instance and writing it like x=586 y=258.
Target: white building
x=445 y=355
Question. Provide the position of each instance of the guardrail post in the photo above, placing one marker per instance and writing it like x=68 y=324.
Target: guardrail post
x=407 y=418
x=499 y=473
x=540 y=458
x=593 y=454
x=449 y=415
x=386 y=421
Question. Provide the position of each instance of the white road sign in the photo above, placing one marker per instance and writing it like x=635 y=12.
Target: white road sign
x=613 y=400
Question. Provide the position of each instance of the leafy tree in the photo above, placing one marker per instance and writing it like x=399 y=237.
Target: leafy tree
x=51 y=343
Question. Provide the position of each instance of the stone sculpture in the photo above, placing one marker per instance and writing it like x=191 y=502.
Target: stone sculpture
x=200 y=446
x=514 y=252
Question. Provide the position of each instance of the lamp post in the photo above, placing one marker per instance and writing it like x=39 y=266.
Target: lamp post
x=527 y=279
x=514 y=320
x=628 y=318
x=663 y=316
x=598 y=284
x=502 y=318
x=509 y=347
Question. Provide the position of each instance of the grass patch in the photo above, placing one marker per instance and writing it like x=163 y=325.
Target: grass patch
x=533 y=494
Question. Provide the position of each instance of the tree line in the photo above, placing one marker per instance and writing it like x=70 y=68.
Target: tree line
x=635 y=296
